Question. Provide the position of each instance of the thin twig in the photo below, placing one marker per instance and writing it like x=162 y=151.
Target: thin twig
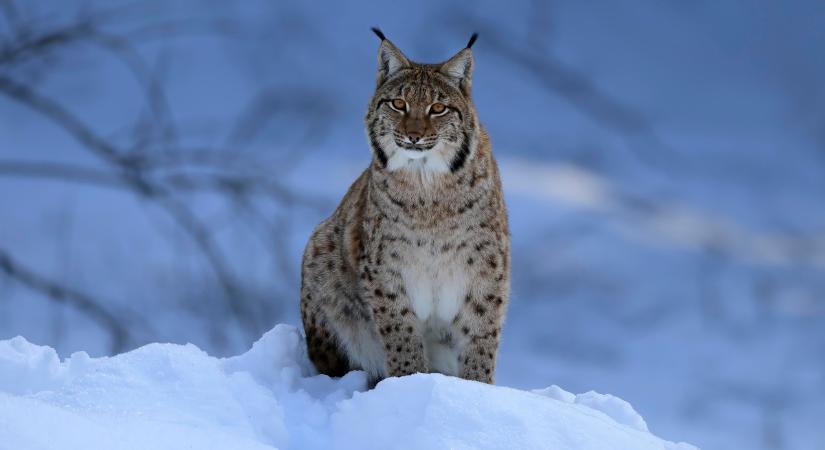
x=59 y=171
x=62 y=294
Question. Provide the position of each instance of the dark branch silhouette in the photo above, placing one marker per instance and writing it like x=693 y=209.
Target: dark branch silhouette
x=121 y=338
x=151 y=164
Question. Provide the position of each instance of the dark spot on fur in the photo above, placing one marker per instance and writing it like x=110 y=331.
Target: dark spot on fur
x=465 y=330
x=396 y=202
x=480 y=310
x=462 y=154
x=470 y=261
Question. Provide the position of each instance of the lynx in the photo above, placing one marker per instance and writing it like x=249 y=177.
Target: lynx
x=411 y=273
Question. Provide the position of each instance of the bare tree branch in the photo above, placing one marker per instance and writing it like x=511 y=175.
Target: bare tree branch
x=26 y=47
x=581 y=93
x=66 y=120
x=150 y=163
x=85 y=303
x=130 y=172
x=229 y=184
x=59 y=171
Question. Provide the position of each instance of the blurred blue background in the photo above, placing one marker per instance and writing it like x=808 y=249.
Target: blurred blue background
x=163 y=163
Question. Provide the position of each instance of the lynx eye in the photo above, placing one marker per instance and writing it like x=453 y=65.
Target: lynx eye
x=437 y=109
x=399 y=105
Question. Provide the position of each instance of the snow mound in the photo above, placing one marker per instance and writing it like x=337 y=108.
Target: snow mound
x=618 y=409
x=165 y=396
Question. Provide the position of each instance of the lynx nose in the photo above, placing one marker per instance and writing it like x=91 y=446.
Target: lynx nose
x=413 y=136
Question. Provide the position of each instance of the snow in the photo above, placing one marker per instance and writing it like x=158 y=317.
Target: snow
x=618 y=409
x=169 y=396
x=691 y=287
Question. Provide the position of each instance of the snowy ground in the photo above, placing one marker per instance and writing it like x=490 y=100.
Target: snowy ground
x=680 y=267
x=167 y=396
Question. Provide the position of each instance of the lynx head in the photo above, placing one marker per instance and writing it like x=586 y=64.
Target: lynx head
x=422 y=116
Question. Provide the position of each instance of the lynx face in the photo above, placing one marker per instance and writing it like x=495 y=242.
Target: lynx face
x=421 y=116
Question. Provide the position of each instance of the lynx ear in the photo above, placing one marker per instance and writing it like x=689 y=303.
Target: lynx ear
x=460 y=67
x=390 y=58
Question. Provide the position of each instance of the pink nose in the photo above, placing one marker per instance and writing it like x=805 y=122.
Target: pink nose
x=413 y=136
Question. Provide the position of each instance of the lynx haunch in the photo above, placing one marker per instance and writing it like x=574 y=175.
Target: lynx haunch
x=411 y=273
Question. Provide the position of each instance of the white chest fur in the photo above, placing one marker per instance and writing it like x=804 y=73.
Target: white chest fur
x=436 y=285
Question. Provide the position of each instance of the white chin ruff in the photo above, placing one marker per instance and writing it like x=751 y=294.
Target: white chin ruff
x=414 y=154
x=425 y=162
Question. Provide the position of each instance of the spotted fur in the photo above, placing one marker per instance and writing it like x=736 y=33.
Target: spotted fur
x=411 y=273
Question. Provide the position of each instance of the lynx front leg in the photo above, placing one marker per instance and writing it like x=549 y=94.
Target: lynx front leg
x=400 y=332
x=480 y=323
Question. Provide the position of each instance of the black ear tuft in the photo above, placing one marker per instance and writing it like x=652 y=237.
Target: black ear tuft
x=379 y=33
x=469 y=44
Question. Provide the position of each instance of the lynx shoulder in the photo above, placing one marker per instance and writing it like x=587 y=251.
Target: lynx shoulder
x=411 y=273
